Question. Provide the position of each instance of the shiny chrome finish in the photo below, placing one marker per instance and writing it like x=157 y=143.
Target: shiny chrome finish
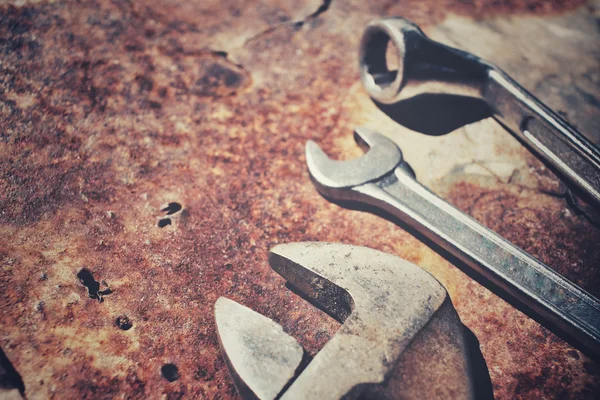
x=373 y=165
x=428 y=67
x=561 y=305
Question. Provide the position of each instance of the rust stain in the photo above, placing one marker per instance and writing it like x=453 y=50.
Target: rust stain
x=428 y=12
x=112 y=111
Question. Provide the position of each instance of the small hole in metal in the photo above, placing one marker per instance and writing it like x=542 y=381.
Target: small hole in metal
x=164 y=222
x=123 y=322
x=172 y=208
x=170 y=372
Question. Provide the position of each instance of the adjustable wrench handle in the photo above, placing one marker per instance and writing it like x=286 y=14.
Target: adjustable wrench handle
x=529 y=283
x=570 y=153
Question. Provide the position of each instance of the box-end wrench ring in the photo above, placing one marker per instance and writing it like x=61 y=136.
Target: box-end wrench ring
x=429 y=67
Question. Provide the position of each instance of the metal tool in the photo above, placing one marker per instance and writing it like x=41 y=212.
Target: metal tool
x=428 y=67
x=400 y=332
x=381 y=178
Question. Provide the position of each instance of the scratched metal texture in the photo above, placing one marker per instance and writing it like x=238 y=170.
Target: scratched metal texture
x=109 y=111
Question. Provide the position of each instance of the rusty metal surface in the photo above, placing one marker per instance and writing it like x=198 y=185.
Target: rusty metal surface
x=111 y=111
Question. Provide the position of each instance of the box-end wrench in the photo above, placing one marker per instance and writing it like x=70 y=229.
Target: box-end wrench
x=429 y=67
x=382 y=179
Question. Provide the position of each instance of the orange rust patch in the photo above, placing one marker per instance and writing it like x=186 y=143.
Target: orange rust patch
x=109 y=111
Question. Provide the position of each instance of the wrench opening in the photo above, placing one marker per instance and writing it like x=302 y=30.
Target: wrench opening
x=381 y=158
x=381 y=81
x=376 y=42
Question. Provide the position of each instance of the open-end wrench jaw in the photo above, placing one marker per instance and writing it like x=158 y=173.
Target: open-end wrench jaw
x=260 y=356
x=334 y=178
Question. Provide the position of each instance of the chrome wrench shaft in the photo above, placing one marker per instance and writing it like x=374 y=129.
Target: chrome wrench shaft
x=569 y=152
x=528 y=283
x=522 y=277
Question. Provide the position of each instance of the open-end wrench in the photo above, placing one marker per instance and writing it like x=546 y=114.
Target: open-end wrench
x=400 y=337
x=381 y=178
x=429 y=67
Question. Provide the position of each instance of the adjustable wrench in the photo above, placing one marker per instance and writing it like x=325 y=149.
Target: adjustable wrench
x=382 y=179
x=429 y=67
x=401 y=336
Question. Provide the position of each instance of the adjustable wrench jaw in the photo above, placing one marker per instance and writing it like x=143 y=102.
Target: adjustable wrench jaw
x=260 y=356
x=392 y=312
